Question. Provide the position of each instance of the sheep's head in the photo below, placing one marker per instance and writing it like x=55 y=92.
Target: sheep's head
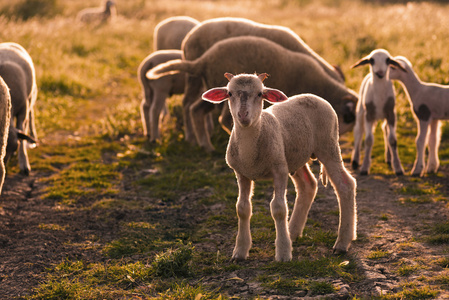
x=246 y=93
x=398 y=72
x=379 y=60
x=14 y=136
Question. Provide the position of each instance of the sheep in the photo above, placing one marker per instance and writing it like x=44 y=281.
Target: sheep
x=430 y=104
x=17 y=70
x=169 y=33
x=105 y=13
x=155 y=92
x=292 y=72
x=206 y=34
x=5 y=115
x=275 y=143
x=377 y=102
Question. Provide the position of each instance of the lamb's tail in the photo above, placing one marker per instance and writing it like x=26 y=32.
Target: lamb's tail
x=170 y=68
x=323 y=175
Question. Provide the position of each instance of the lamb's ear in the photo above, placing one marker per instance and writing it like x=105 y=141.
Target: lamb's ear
x=22 y=136
x=216 y=95
x=396 y=64
x=262 y=76
x=362 y=62
x=228 y=76
x=273 y=95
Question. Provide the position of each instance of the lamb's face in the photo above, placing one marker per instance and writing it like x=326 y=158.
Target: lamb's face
x=397 y=73
x=245 y=99
x=379 y=61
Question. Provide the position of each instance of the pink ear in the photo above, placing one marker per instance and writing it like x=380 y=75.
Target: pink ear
x=216 y=95
x=273 y=95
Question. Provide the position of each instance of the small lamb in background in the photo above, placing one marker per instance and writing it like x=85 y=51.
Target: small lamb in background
x=430 y=104
x=105 y=13
x=278 y=142
x=377 y=102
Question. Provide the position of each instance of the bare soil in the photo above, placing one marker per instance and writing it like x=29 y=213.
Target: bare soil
x=384 y=223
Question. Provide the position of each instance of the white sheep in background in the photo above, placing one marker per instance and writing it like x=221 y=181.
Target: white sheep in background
x=169 y=33
x=430 y=104
x=17 y=70
x=105 y=13
x=155 y=92
x=376 y=102
x=279 y=141
x=5 y=115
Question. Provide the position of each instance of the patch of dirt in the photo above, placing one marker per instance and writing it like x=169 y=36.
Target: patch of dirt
x=384 y=223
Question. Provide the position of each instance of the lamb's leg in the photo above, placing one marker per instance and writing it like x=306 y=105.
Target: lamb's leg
x=244 y=211
x=358 y=134
x=24 y=164
x=386 y=132
x=145 y=111
x=192 y=93
x=156 y=108
x=421 y=141
x=279 y=212
x=306 y=188
x=345 y=189
x=199 y=112
x=369 y=140
x=433 y=162
x=392 y=145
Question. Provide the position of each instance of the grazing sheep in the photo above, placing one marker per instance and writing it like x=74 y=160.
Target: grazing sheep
x=155 y=92
x=17 y=70
x=292 y=72
x=5 y=115
x=169 y=33
x=209 y=32
x=430 y=104
x=105 y=13
x=377 y=102
x=279 y=141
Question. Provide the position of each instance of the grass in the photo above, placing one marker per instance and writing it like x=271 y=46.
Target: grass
x=170 y=205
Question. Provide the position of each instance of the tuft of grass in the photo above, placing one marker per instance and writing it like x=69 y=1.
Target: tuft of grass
x=413 y=293
x=439 y=234
x=378 y=254
x=321 y=288
x=173 y=262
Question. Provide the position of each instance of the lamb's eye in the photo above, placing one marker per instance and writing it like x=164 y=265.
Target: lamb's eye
x=230 y=94
x=260 y=94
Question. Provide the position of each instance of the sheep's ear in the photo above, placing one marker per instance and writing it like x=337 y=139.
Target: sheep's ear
x=228 y=76
x=216 y=95
x=396 y=64
x=362 y=62
x=22 y=136
x=273 y=95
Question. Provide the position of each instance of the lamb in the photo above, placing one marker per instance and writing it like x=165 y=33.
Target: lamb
x=377 y=102
x=17 y=70
x=5 y=115
x=155 y=92
x=105 y=13
x=209 y=32
x=430 y=104
x=279 y=141
x=169 y=33
x=292 y=72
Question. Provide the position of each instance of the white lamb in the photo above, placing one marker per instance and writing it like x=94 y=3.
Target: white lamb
x=17 y=70
x=430 y=104
x=5 y=115
x=156 y=91
x=279 y=141
x=377 y=102
x=105 y=13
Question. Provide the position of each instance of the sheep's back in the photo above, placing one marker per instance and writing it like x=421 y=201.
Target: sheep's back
x=170 y=33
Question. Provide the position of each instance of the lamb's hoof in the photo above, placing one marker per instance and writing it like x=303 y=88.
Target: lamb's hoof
x=236 y=259
x=25 y=172
x=336 y=251
x=400 y=173
x=355 y=165
x=415 y=174
x=364 y=173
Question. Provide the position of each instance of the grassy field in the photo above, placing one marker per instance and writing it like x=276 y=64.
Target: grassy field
x=164 y=213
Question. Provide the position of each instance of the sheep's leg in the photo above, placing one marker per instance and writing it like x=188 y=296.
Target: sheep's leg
x=386 y=132
x=345 y=189
x=369 y=140
x=306 y=188
x=244 y=211
x=199 y=112
x=145 y=111
x=24 y=164
x=421 y=142
x=191 y=94
x=433 y=162
x=156 y=108
x=358 y=134
x=392 y=145
x=279 y=212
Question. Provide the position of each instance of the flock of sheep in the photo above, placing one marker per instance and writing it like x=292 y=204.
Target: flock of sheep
x=230 y=59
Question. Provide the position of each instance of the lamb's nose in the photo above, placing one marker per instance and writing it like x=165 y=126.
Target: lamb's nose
x=240 y=115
